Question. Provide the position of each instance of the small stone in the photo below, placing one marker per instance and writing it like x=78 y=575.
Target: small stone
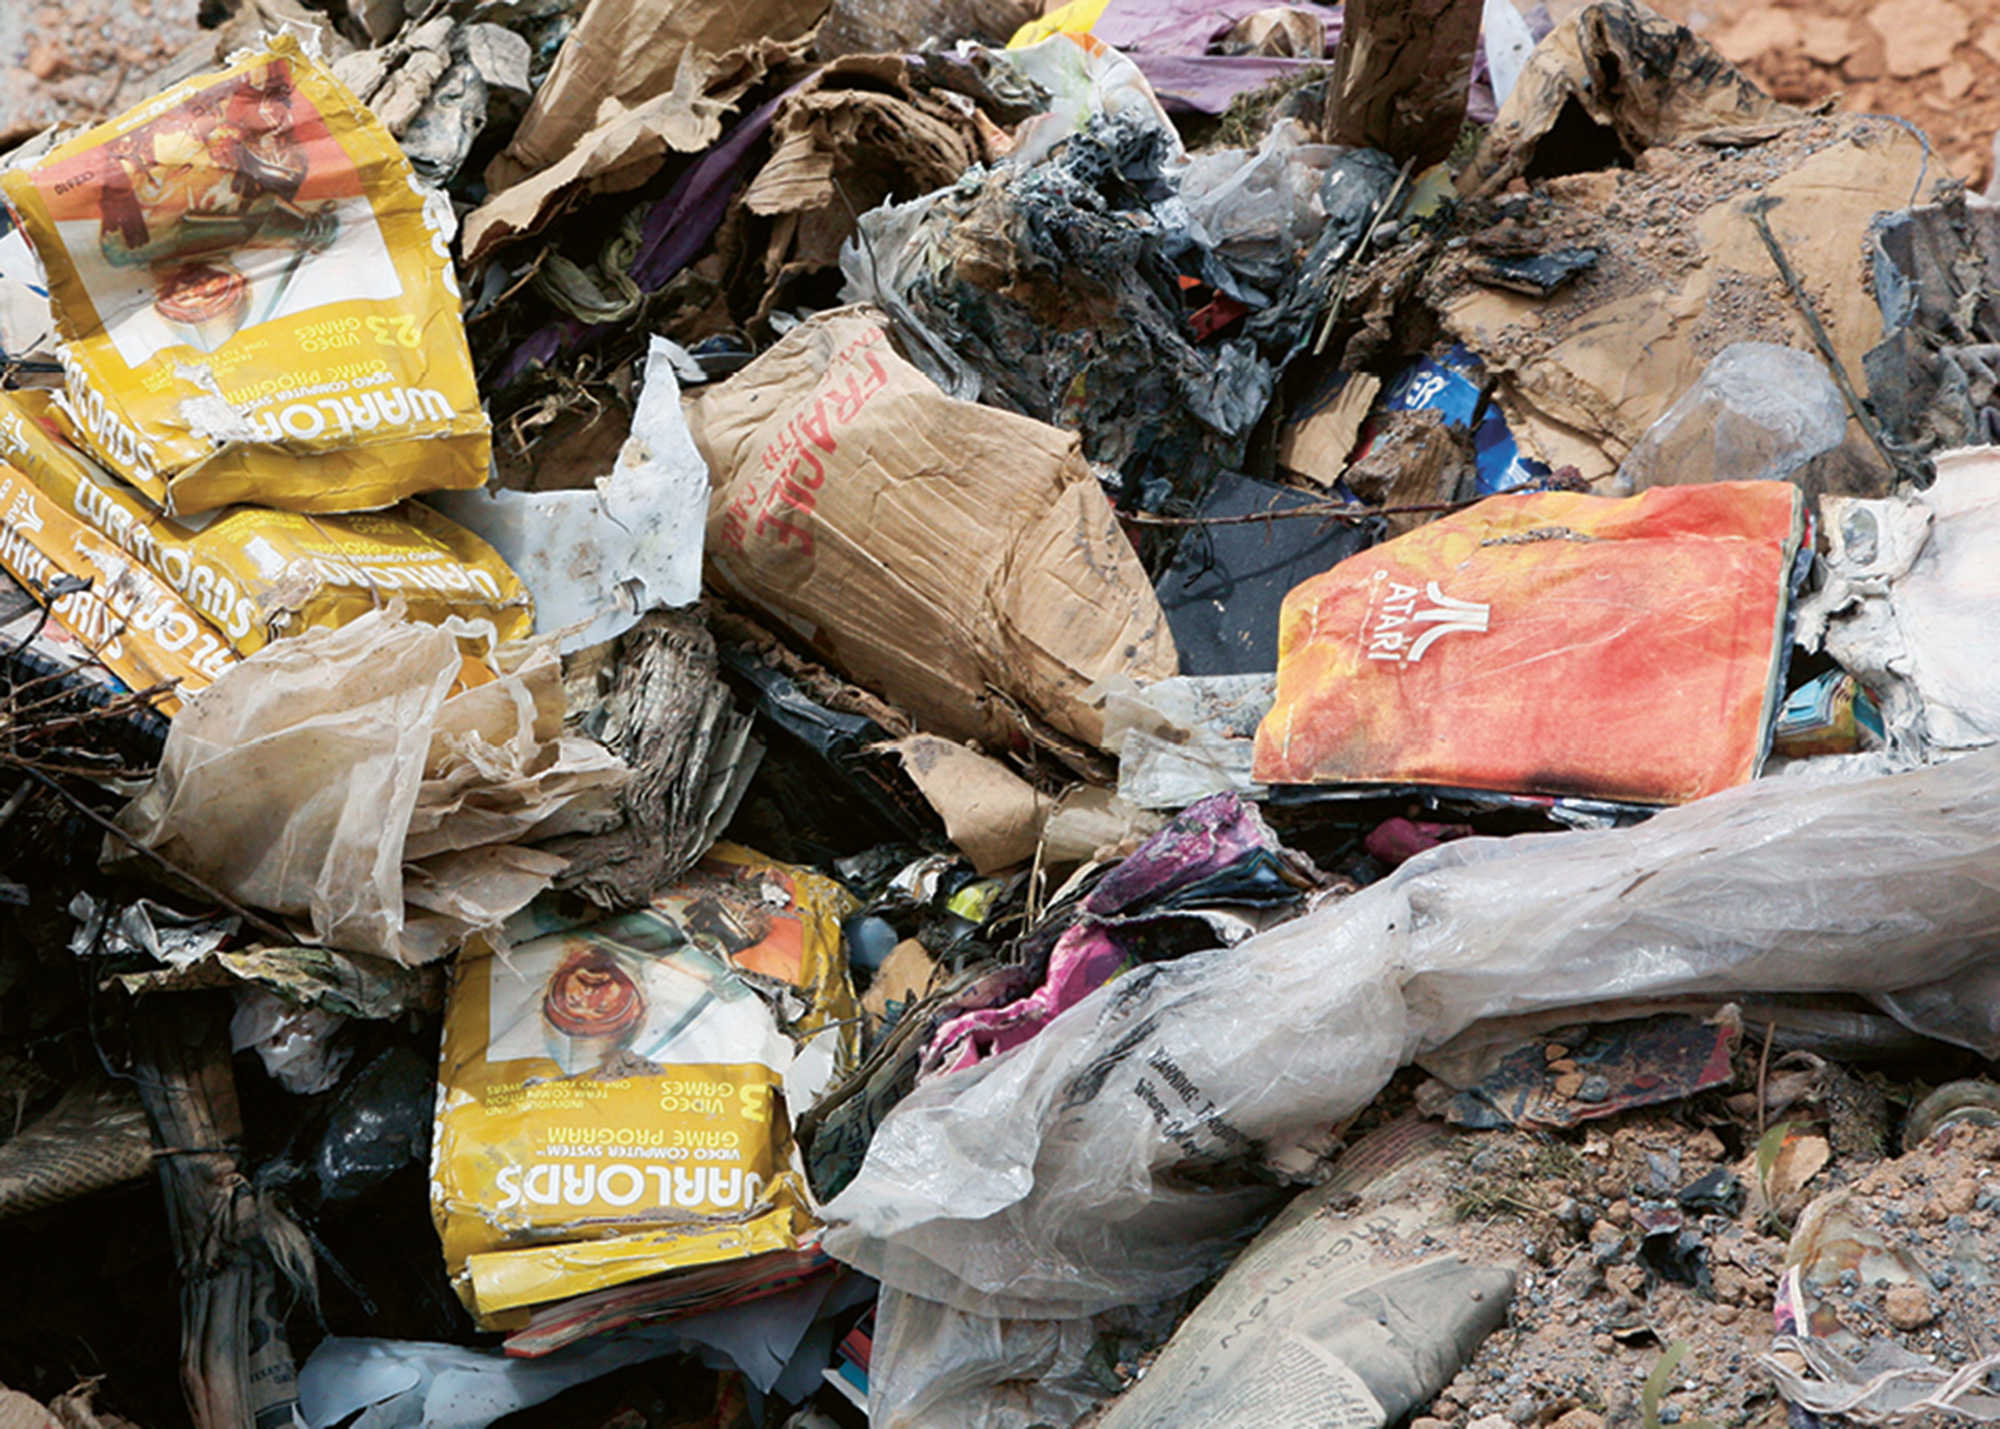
x=1579 y=1418
x=1628 y=1281
x=1960 y=1196
x=1555 y=1052
x=1732 y=1286
x=1568 y=1084
x=48 y=62
x=1522 y=1409
x=1491 y=1421
x=1828 y=39
x=1908 y=1307
x=1918 y=36
x=1705 y=1145
x=1424 y=1421
x=1595 y=1089
x=1603 y=1344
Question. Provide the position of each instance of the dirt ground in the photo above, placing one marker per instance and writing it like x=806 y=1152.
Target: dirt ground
x=84 y=60
x=1935 y=63
x=1606 y=1294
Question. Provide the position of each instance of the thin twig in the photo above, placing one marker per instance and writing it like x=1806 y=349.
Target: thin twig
x=1326 y=510
x=1763 y=1071
x=255 y=920
x=1755 y=210
x=527 y=277
x=1360 y=251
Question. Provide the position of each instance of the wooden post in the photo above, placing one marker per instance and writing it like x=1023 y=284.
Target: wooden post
x=1400 y=76
x=236 y=1365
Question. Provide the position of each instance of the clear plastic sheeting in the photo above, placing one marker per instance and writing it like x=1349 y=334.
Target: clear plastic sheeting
x=933 y=1366
x=1054 y=1181
x=1761 y=412
x=1260 y=208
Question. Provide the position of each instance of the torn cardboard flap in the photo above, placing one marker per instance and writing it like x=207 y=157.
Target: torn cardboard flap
x=1316 y=442
x=991 y=814
x=957 y=560
x=1400 y=77
x=855 y=135
x=624 y=53
x=627 y=149
x=595 y=560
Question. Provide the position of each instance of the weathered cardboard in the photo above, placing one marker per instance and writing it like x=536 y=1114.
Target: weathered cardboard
x=636 y=80
x=624 y=53
x=857 y=134
x=1610 y=369
x=1316 y=442
x=991 y=814
x=1400 y=77
x=957 y=560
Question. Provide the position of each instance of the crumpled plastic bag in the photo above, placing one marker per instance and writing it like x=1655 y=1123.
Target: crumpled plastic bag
x=1048 y=1182
x=335 y=778
x=931 y=1366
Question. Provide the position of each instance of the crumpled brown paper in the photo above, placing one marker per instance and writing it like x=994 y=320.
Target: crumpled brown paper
x=335 y=778
x=635 y=81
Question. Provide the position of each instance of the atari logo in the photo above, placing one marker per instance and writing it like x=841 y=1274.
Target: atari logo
x=1402 y=629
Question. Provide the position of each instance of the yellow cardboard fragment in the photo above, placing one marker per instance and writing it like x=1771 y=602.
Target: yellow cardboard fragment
x=255 y=297
x=612 y=1096
x=258 y=574
x=127 y=616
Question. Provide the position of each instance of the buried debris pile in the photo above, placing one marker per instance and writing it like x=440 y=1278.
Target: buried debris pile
x=948 y=717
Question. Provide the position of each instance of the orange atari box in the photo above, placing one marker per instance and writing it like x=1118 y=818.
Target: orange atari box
x=1547 y=644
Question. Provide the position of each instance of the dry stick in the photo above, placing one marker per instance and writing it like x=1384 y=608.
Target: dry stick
x=1763 y=1069
x=1328 y=510
x=1360 y=252
x=234 y=1359
x=1755 y=210
x=526 y=277
x=262 y=925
